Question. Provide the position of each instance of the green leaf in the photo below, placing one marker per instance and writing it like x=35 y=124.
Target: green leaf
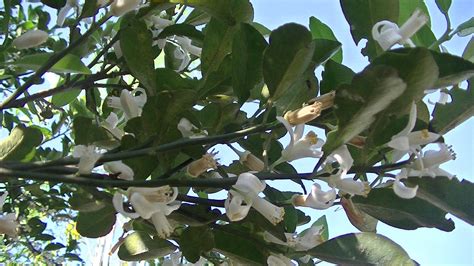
x=63 y=98
x=168 y=79
x=89 y=9
x=194 y=241
x=358 y=218
x=230 y=12
x=21 y=142
x=361 y=248
x=334 y=75
x=468 y=53
x=409 y=214
x=68 y=64
x=287 y=57
x=362 y=16
x=324 y=50
x=54 y=3
x=86 y=132
x=139 y=246
x=182 y=30
x=96 y=224
x=322 y=221
x=449 y=116
x=417 y=68
x=136 y=43
x=357 y=105
x=233 y=244
x=303 y=90
x=465 y=28
x=247 y=55
x=443 y=5
x=319 y=30
x=453 y=196
x=217 y=45
x=53 y=246
x=197 y=17
x=452 y=69
x=36 y=225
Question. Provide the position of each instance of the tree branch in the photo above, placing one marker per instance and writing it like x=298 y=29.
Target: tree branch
x=50 y=63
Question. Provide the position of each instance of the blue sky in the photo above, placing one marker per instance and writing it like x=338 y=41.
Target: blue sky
x=427 y=246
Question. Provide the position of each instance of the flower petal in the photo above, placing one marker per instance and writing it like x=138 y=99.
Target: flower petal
x=117 y=201
x=401 y=190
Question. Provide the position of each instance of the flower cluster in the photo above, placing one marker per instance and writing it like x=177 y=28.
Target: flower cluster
x=150 y=203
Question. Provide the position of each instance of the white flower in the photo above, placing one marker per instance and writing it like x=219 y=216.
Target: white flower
x=130 y=103
x=88 y=156
x=185 y=43
x=410 y=142
x=118 y=167
x=30 y=39
x=387 y=33
x=8 y=223
x=188 y=130
x=338 y=180
x=306 y=240
x=400 y=189
x=244 y=194
x=248 y=159
x=299 y=146
x=70 y=4
x=111 y=123
x=279 y=260
x=155 y=203
x=120 y=7
x=428 y=165
x=316 y=199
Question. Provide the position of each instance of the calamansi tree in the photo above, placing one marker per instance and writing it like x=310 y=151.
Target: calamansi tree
x=115 y=108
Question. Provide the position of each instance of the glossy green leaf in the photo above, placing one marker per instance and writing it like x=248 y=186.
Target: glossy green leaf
x=449 y=116
x=324 y=50
x=409 y=214
x=443 y=5
x=361 y=248
x=233 y=244
x=465 y=28
x=89 y=9
x=87 y=132
x=217 y=45
x=194 y=241
x=468 y=53
x=63 y=98
x=452 y=196
x=21 y=142
x=334 y=75
x=68 y=64
x=54 y=3
x=96 y=224
x=136 y=43
x=230 y=12
x=322 y=221
x=247 y=55
x=452 y=69
x=182 y=30
x=53 y=246
x=139 y=246
x=319 y=30
x=418 y=69
x=358 y=104
x=362 y=16
x=302 y=91
x=197 y=17
x=358 y=218
x=286 y=58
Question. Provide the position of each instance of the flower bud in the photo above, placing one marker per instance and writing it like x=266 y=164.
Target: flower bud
x=304 y=114
x=30 y=39
x=200 y=166
x=251 y=161
x=120 y=7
